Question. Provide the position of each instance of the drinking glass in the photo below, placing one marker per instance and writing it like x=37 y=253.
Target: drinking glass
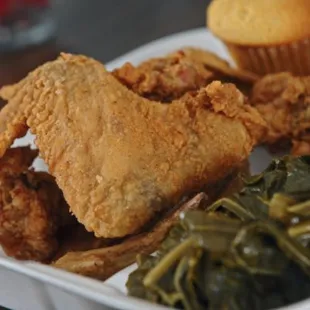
x=24 y=23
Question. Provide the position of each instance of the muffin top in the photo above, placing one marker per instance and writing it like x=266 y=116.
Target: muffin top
x=259 y=22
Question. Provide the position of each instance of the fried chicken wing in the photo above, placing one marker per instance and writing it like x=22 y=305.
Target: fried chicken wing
x=12 y=120
x=284 y=102
x=31 y=208
x=121 y=159
x=103 y=263
x=168 y=78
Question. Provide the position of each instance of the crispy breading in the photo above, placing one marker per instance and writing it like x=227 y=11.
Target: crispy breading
x=104 y=260
x=165 y=79
x=32 y=208
x=168 y=78
x=301 y=147
x=284 y=102
x=103 y=263
x=120 y=159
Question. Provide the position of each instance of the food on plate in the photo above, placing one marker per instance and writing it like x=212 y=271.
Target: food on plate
x=262 y=38
x=131 y=149
x=75 y=238
x=106 y=260
x=103 y=262
x=149 y=159
x=247 y=251
x=121 y=159
x=301 y=147
x=168 y=78
x=220 y=67
x=284 y=102
x=32 y=208
x=35 y=223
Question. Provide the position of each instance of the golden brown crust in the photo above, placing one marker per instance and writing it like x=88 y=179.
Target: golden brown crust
x=263 y=22
x=120 y=158
x=103 y=263
x=165 y=79
x=218 y=66
x=168 y=78
x=284 y=102
x=300 y=147
x=31 y=208
x=12 y=117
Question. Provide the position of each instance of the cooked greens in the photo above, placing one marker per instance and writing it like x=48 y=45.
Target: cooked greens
x=247 y=251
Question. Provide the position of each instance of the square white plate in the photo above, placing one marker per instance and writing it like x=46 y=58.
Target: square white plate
x=28 y=285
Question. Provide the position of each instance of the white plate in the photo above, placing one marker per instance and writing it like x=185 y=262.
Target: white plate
x=27 y=285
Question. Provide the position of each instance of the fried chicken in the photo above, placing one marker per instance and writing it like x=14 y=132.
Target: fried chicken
x=284 y=102
x=103 y=263
x=301 y=147
x=121 y=159
x=168 y=78
x=32 y=208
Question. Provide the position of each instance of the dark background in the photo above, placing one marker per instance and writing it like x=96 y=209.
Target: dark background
x=105 y=29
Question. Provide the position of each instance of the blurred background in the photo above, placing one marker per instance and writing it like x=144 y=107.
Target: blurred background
x=106 y=29
x=34 y=31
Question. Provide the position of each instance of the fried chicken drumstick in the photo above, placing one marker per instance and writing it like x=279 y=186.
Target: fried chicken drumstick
x=121 y=159
x=32 y=208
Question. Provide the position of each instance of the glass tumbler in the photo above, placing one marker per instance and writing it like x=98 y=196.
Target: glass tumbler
x=25 y=23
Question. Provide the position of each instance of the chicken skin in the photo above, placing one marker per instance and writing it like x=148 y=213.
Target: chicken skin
x=300 y=147
x=168 y=78
x=284 y=102
x=121 y=159
x=32 y=208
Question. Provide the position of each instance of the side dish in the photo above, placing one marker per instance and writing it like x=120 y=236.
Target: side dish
x=246 y=251
x=261 y=37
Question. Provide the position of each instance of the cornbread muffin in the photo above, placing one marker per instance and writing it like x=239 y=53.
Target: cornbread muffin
x=264 y=36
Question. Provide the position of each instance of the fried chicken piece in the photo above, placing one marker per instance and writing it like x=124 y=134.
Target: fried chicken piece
x=121 y=159
x=75 y=238
x=12 y=120
x=164 y=79
x=105 y=260
x=300 y=147
x=284 y=102
x=103 y=263
x=32 y=208
x=219 y=66
x=168 y=78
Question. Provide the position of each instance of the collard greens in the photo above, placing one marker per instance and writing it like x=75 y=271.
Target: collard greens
x=247 y=251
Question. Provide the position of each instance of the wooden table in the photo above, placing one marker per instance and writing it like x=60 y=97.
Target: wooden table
x=105 y=29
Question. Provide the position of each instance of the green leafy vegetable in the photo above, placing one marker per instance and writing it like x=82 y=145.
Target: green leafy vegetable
x=247 y=251
x=281 y=192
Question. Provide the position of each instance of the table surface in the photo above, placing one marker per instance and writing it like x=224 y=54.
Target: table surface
x=105 y=30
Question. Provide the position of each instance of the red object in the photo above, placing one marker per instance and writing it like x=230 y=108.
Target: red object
x=9 y=6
